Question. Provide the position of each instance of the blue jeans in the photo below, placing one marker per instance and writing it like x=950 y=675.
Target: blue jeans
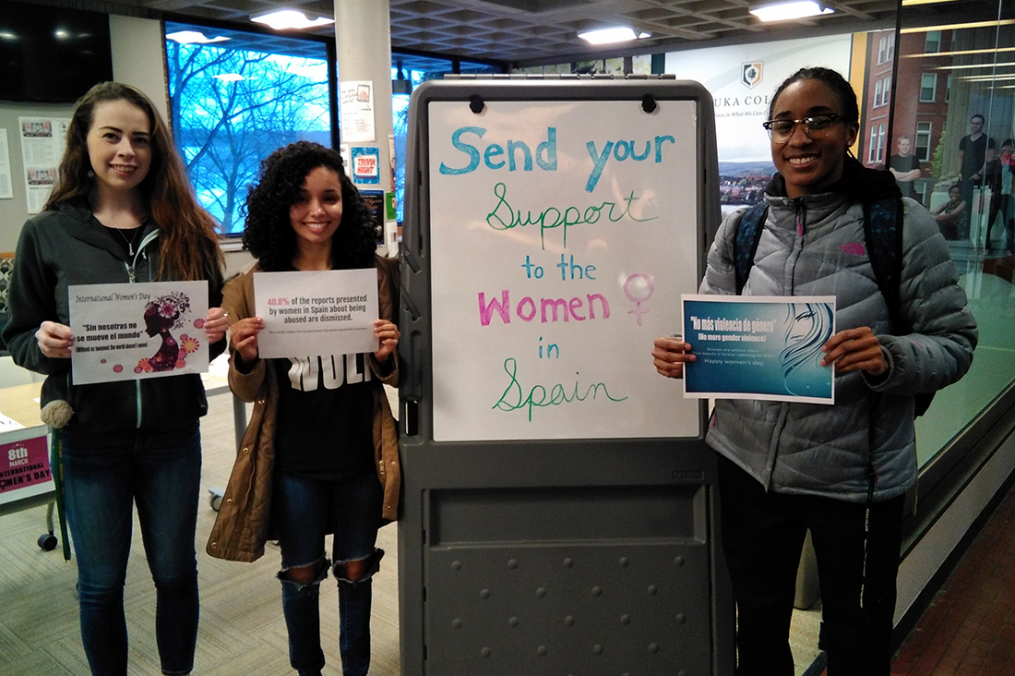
x=304 y=511
x=104 y=475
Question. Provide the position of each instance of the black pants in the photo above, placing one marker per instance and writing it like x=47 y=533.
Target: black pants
x=763 y=535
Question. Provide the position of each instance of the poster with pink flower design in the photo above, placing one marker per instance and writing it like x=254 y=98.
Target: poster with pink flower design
x=137 y=331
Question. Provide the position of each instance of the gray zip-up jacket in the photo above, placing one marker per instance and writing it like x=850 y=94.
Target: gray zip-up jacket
x=67 y=246
x=814 y=246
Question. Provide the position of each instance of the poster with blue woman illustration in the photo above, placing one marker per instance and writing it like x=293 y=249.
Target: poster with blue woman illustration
x=759 y=347
x=136 y=331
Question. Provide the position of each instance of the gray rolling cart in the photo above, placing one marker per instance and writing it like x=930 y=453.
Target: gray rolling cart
x=559 y=506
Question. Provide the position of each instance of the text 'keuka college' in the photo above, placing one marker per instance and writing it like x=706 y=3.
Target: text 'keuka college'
x=545 y=153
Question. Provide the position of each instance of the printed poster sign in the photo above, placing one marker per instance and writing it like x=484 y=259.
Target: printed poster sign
x=366 y=165
x=356 y=107
x=136 y=331
x=759 y=347
x=42 y=144
x=316 y=313
x=24 y=464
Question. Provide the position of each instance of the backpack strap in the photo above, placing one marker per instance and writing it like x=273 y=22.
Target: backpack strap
x=745 y=243
x=882 y=229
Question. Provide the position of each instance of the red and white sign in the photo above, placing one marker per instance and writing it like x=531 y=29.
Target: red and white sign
x=24 y=464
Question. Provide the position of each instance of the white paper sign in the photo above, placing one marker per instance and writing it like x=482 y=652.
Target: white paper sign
x=42 y=145
x=316 y=313
x=133 y=331
x=356 y=105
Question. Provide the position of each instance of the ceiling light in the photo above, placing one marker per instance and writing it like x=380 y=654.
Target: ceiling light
x=284 y=19
x=783 y=11
x=193 y=38
x=605 y=36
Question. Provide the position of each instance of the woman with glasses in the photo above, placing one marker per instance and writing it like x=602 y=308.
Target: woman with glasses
x=842 y=470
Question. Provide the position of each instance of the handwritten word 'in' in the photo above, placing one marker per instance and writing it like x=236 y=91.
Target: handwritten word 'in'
x=514 y=396
x=505 y=217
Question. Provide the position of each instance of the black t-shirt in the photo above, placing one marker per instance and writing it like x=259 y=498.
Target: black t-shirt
x=325 y=416
x=974 y=153
x=904 y=165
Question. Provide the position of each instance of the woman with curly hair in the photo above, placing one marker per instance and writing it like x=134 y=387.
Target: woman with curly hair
x=122 y=212
x=320 y=453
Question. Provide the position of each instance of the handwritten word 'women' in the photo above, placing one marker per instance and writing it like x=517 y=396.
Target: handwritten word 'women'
x=514 y=397
x=505 y=217
x=548 y=308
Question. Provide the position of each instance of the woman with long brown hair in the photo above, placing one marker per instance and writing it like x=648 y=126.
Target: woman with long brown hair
x=122 y=212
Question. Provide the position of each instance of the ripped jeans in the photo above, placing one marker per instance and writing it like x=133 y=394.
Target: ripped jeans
x=302 y=510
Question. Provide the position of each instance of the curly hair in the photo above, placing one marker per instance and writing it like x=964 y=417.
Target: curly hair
x=842 y=89
x=183 y=225
x=268 y=233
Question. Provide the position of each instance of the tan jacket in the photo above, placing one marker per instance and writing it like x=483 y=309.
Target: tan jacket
x=241 y=528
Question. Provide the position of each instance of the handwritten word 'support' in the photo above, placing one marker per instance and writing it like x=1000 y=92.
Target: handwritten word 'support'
x=546 y=154
x=505 y=217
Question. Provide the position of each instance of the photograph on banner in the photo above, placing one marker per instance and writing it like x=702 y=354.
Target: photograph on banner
x=136 y=331
x=762 y=347
x=24 y=464
x=314 y=313
x=742 y=80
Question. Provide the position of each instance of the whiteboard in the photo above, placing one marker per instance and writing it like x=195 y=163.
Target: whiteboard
x=562 y=234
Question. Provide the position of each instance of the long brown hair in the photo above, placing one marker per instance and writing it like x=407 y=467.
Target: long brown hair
x=186 y=228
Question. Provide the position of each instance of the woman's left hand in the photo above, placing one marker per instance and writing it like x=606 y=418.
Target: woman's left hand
x=855 y=350
x=215 y=324
x=387 y=333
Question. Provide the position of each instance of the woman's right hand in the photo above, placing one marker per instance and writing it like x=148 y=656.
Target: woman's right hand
x=669 y=356
x=244 y=337
x=55 y=340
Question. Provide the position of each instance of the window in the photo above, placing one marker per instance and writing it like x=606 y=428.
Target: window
x=928 y=87
x=232 y=104
x=923 y=134
x=881 y=143
x=872 y=147
x=932 y=42
x=882 y=90
x=415 y=70
x=883 y=50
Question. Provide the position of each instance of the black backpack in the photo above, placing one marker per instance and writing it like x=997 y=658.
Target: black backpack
x=882 y=229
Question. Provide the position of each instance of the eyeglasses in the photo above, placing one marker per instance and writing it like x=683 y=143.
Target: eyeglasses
x=815 y=126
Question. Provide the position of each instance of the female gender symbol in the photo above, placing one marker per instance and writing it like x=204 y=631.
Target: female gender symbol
x=637 y=285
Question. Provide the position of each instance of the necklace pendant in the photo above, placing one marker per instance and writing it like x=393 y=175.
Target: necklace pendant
x=130 y=245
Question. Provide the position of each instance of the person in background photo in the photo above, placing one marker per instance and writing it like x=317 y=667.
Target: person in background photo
x=1000 y=175
x=905 y=167
x=320 y=454
x=949 y=214
x=840 y=471
x=975 y=151
x=122 y=211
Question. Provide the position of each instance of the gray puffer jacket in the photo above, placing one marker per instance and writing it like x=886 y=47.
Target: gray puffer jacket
x=814 y=246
